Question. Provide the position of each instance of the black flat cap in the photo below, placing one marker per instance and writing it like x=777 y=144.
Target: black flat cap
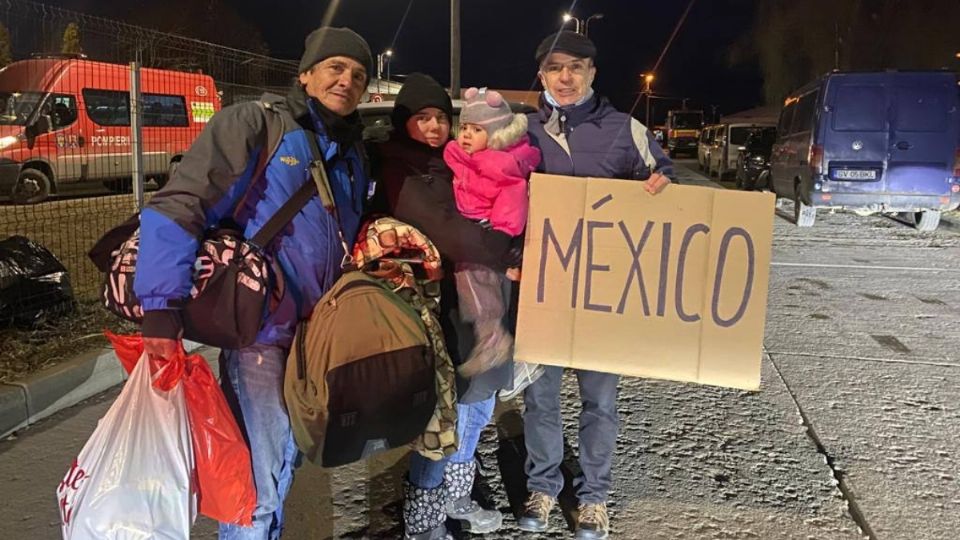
x=568 y=42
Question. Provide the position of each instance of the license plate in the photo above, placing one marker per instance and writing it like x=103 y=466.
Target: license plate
x=855 y=174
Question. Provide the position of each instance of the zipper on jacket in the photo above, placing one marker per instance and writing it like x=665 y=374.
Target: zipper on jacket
x=353 y=184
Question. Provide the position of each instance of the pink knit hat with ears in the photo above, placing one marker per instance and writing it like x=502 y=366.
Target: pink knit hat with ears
x=487 y=109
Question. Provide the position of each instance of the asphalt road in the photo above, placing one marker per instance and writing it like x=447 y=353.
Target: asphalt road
x=856 y=429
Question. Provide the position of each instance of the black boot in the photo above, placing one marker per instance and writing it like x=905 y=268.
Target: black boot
x=458 y=478
x=423 y=513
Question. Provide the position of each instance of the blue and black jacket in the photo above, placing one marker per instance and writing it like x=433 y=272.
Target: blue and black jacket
x=216 y=175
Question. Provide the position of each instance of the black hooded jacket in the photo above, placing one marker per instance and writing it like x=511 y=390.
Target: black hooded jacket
x=415 y=185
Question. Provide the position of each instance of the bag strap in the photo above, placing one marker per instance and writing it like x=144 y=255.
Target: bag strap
x=294 y=204
x=272 y=142
x=322 y=181
x=284 y=215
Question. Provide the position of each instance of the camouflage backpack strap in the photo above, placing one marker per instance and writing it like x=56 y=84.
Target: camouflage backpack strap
x=439 y=440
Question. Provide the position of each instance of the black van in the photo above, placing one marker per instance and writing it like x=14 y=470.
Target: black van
x=885 y=142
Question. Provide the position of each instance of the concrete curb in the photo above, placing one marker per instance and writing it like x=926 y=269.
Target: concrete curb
x=26 y=402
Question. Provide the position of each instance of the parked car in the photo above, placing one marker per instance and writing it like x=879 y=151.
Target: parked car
x=705 y=145
x=871 y=142
x=753 y=159
x=66 y=120
x=726 y=142
x=377 y=123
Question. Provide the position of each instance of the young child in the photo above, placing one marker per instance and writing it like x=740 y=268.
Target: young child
x=491 y=160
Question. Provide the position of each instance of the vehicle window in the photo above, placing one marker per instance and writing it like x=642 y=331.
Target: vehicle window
x=704 y=135
x=107 y=107
x=63 y=110
x=805 y=114
x=377 y=124
x=786 y=117
x=923 y=109
x=738 y=135
x=762 y=139
x=687 y=120
x=16 y=107
x=718 y=134
x=860 y=108
x=164 y=110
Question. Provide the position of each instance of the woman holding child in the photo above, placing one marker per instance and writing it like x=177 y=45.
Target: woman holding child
x=451 y=191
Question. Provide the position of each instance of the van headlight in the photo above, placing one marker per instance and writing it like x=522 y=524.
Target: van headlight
x=9 y=140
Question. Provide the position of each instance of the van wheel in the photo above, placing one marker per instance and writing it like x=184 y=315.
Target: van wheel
x=32 y=186
x=803 y=214
x=741 y=182
x=764 y=182
x=927 y=220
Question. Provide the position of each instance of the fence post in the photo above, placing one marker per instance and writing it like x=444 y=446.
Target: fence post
x=136 y=135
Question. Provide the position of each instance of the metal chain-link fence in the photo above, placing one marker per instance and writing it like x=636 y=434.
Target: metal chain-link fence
x=66 y=136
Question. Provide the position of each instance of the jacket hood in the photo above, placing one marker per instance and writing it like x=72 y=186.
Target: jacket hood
x=419 y=91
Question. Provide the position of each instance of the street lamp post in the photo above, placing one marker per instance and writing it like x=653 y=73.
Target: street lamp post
x=568 y=17
x=581 y=23
x=383 y=58
x=586 y=24
x=647 y=79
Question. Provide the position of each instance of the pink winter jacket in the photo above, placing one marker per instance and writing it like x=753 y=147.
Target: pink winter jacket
x=492 y=184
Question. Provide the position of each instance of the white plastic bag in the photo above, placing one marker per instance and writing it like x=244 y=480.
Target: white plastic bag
x=134 y=477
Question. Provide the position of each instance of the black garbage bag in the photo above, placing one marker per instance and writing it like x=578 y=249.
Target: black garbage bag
x=34 y=285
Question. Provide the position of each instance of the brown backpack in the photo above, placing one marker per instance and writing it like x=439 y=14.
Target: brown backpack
x=364 y=375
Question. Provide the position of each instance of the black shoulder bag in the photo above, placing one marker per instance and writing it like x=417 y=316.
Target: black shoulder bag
x=233 y=279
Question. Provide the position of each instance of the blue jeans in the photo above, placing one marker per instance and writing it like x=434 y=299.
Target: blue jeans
x=252 y=379
x=471 y=419
x=543 y=432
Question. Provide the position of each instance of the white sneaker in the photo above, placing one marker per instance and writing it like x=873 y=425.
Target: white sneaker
x=524 y=374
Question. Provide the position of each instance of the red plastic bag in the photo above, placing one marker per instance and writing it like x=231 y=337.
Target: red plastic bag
x=225 y=488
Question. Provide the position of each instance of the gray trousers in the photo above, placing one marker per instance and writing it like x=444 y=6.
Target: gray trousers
x=543 y=431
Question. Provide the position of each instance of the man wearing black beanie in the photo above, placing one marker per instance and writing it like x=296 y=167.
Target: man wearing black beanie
x=249 y=161
x=579 y=134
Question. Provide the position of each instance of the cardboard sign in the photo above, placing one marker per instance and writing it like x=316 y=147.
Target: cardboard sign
x=669 y=286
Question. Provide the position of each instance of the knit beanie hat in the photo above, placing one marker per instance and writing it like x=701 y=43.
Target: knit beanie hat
x=487 y=109
x=327 y=41
x=418 y=92
x=568 y=42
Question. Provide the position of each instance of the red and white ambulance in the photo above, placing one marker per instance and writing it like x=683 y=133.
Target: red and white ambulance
x=67 y=120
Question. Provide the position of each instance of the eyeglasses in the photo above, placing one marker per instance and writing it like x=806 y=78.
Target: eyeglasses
x=575 y=67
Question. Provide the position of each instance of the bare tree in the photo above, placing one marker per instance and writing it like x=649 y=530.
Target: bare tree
x=71 y=39
x=794 y=42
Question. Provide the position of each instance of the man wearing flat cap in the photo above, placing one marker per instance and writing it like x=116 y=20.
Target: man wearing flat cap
x=248 y=161
x=579 y=134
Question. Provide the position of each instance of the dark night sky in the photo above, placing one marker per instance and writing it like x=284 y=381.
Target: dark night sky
x=499 y=37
